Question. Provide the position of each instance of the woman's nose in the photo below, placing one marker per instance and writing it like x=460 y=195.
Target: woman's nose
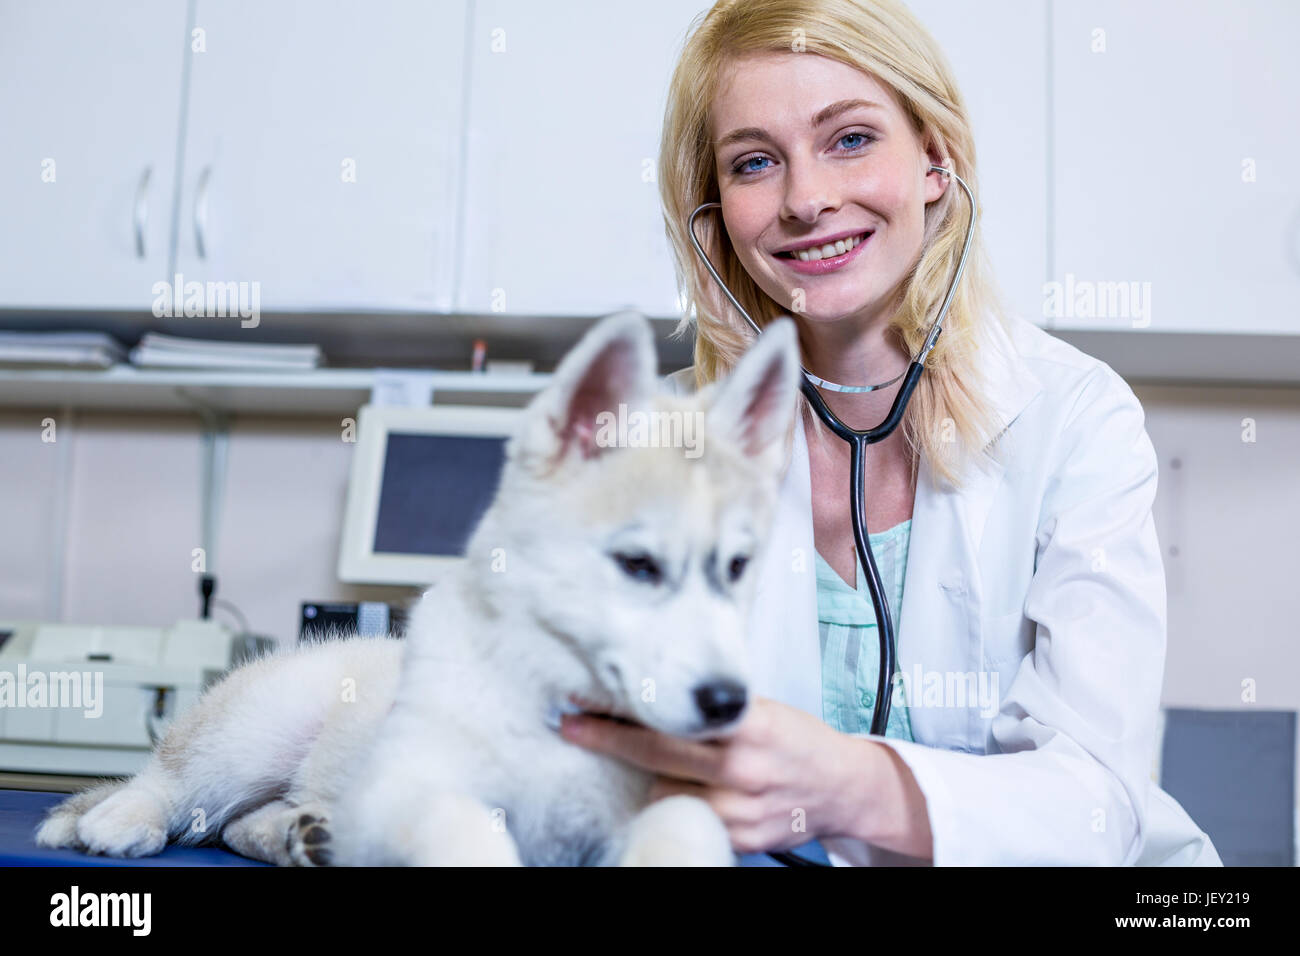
x=809 y=193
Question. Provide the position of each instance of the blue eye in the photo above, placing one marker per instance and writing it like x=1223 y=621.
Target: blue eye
x=740 y=169
x=743 y=168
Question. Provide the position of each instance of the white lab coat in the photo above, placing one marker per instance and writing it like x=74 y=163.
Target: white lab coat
x=1042 y=574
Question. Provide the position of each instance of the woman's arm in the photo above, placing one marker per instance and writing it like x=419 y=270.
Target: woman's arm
x=883 y=804
x=1066 y=773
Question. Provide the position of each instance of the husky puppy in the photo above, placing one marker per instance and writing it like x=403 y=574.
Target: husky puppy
x=610 y=567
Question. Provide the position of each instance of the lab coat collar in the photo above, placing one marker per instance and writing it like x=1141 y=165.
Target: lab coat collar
x=1011 y=385
x=784 y=641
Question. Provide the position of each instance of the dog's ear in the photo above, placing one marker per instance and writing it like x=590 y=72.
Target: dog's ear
x=755 y=404
x=613 y=363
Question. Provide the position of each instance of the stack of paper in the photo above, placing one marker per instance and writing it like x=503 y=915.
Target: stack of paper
x=171 y=351
x=60 y=349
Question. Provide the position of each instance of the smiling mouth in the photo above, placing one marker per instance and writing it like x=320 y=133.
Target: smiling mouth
x=828 y=251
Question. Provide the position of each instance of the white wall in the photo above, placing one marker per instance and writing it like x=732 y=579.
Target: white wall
x=133 y=520
x=1231 y=511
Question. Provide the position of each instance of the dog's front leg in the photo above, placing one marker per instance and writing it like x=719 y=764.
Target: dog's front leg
x=397 y=822
x=455 y=829
x=676 y=831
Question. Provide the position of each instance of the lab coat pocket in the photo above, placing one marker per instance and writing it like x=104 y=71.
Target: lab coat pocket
x=1006 y=638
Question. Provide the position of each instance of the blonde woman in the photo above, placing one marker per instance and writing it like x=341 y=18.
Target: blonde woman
x=1010 y=514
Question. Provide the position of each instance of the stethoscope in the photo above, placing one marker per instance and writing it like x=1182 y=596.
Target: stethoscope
x=858 y=442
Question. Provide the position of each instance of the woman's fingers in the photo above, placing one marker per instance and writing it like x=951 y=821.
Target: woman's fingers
x=671 y=756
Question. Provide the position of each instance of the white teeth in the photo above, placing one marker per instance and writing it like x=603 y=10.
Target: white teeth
x=830 y=250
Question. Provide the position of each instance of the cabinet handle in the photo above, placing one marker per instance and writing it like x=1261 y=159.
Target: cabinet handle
x=141 y=211
x=201 y=212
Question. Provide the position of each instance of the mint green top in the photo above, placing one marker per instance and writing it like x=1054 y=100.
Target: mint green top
x=850 y=642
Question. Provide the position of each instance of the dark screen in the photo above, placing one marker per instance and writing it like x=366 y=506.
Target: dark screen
x=434 y=490
x=1233 y=771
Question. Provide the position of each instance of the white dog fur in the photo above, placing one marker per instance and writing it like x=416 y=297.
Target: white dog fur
x=621 y=575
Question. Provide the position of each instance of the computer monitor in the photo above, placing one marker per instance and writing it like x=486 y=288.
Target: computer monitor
x=421 y=479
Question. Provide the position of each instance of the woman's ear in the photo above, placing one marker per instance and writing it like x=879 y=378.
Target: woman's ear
x=754 y=406
x=936 y=184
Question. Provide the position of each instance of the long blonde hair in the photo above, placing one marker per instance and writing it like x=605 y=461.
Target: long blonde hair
x=948 y=417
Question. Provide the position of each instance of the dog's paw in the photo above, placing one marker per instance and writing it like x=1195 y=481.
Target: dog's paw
x=130 y=823
x=59 y=832
x=677 y=831
x=308 y=840
x=669 y=852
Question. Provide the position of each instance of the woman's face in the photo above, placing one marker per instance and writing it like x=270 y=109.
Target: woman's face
x=794 y=164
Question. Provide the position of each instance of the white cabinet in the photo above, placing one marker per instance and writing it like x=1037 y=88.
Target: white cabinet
x=90 y=100
x=996 y=50
x=500 y=155
x=566 y=101
x=322 y=150
x=1176 y=135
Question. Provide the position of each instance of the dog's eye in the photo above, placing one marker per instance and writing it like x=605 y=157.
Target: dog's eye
x=737 y=567
x=640 y=567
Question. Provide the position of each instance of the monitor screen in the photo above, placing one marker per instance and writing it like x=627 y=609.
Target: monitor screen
x=422 y=478
x=434 y=490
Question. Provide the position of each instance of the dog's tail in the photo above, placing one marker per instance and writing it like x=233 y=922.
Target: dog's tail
x=59 y=828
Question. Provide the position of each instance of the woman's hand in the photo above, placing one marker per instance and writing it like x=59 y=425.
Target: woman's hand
x=782 y=779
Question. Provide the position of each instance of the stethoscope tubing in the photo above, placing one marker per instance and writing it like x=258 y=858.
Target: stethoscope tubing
x=858 y=442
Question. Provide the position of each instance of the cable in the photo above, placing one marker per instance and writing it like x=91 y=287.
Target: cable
x=243 y=621
x=793 y=859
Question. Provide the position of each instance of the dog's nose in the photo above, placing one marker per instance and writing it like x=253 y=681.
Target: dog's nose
x=720 y=701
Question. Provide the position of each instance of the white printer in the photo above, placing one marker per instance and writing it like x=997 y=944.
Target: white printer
x=92 y=700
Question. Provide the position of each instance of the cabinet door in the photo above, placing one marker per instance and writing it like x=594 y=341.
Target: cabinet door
x=90 y=102
x=321 y=152
x=1176 y=136
x=996 y=50
x=562 y=212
